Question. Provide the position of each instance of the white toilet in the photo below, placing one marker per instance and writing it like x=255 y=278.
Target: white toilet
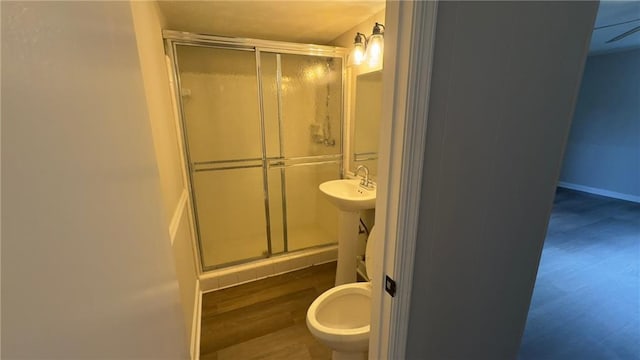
x=340 y=318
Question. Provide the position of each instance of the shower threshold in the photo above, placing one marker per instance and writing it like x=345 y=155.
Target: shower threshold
x=263 y=268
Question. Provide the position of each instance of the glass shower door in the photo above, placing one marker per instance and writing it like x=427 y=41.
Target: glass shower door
x=307 y=118
x=224 y=140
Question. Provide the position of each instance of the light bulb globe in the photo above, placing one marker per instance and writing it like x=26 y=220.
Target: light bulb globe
x=358 y=54
x=375 y=50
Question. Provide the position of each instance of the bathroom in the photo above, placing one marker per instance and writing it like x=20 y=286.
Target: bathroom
x=258 y=126
x=100 y=257
x=222 y=276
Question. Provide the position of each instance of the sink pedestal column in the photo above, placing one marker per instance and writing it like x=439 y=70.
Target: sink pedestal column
x=347 y=246
x=349 y=197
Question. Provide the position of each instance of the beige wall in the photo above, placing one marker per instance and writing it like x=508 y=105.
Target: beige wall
x=86 y=257
x=148 y=24
x=346 y=40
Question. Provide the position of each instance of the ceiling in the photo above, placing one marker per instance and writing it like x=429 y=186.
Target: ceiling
x=611 y=13
x=320 y=22
x=306 y=21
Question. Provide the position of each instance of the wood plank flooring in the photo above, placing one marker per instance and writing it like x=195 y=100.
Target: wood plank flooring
x=265 y=319
x=586 y=300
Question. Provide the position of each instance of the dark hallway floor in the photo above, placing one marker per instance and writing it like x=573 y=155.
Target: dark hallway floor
x=586 y=301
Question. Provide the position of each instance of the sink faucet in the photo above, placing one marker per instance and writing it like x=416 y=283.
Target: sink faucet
x=365 y=182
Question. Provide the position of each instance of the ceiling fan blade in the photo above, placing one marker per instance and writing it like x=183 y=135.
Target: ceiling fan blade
x=624 y=34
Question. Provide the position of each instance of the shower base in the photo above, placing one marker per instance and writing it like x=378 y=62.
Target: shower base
x=259 y=269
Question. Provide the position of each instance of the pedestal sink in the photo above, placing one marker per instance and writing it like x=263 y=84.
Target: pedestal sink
x=349 y=197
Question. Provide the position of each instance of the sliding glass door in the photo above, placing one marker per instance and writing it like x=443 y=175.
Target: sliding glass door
x=262 y=130
x=223 y=135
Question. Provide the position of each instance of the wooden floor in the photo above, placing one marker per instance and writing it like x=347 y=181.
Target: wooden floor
x=265 y=319
x=586 y=300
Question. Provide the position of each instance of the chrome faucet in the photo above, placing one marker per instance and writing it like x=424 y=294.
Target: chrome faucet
x=365 y=182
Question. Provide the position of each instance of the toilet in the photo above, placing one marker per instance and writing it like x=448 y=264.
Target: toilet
x=340 y=318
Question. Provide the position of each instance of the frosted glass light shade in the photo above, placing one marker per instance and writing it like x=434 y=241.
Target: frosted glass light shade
x=357 y=54
x=375 y=49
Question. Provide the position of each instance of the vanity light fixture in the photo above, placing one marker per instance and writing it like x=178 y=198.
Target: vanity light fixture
x=375 y=46
x=369 y=49
x=359 y=47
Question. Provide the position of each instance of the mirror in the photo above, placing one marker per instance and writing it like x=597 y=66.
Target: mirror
x=368 y=107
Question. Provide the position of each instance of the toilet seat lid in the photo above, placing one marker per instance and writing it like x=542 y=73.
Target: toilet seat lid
x=372 y=256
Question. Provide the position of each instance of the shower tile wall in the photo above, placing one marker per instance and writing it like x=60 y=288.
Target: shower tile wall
x=221 y=108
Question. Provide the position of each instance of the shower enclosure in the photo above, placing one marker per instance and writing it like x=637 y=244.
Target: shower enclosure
x=262 y=127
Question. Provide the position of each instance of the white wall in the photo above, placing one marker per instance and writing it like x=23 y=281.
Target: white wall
x=86 y=258
x=603 y=151
x=505 y=80
x=148 y=23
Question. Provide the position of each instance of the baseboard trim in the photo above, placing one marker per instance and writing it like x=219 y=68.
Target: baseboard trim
x=602 y=192
x=195 y=325
x=177 y=215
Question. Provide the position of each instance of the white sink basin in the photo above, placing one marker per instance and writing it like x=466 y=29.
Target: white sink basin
x=348 y=195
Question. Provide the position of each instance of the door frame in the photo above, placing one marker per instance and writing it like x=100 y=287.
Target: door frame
x=406 y=77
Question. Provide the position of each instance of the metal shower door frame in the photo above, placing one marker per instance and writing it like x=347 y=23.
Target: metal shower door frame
x=173 y=39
